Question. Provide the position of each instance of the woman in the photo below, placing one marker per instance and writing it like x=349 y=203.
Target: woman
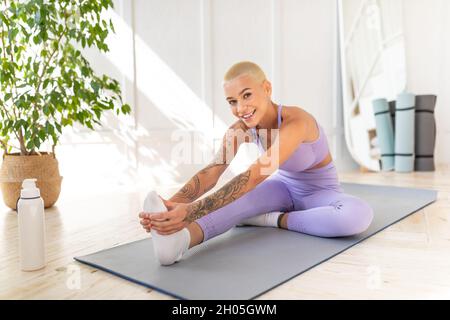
x=299 y=191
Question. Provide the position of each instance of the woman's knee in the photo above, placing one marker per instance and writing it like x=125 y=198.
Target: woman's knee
x=357 y=215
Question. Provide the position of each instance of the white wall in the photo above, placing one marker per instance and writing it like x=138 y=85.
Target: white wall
x=170 y=57
x=427 y=38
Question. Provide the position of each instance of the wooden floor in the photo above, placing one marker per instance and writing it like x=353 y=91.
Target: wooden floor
x=408 y=260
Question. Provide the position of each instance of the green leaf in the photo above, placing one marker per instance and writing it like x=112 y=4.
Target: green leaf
x=12 y=34
x=125 y=108
x=111 y=26
x=95 y=86
x=30 y=22
x=58 y=127
x=76 y=87
x=30 y=145
x=37 y=39
x=35 y=115
x=65 y=122
x=42 y=135
x=84 y=71
x=37 y=142
x=49 y=128
x=45 y=84
x=98 y=113
x=3 y=18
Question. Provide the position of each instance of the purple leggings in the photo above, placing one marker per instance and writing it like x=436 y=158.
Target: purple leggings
x=314 y=200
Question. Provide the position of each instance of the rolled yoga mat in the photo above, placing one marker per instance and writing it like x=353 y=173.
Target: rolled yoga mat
x=404 y=132
x=425 y=131
x=425 y=136
x=245 y=262
x=385 y=133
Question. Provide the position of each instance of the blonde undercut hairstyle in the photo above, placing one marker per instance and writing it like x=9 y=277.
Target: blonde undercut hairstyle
x=245 y=67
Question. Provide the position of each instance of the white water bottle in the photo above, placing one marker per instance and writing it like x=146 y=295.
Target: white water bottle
x=30 y=209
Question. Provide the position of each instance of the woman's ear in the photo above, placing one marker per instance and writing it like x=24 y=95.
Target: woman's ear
x=267 y=87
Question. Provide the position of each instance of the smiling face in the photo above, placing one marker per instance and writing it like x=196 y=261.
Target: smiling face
x=248 y=98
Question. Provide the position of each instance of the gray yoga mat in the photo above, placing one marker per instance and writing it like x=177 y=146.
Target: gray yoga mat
x=425 y=133
x=245 y=262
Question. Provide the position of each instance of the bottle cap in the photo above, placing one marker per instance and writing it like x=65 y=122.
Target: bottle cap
x=29 y=189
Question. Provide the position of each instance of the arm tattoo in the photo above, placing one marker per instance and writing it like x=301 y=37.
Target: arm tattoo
x=193 y=189
x=228 y=193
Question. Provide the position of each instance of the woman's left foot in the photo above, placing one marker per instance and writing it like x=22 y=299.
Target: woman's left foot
x=263 y=220
x=168 y=248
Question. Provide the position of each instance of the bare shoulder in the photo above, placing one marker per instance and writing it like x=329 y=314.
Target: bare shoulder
x=301 y=118
x=238 y=130
x=295 y=114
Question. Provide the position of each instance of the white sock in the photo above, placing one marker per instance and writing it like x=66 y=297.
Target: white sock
x=263 y=220
x=168 y=248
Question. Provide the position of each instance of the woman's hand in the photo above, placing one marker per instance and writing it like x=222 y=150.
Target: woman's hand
x=166 y=223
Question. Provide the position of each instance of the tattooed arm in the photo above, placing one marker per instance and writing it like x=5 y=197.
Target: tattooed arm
x=290 y=135
x=237 y=187
x=200 y=183
x=207 y=178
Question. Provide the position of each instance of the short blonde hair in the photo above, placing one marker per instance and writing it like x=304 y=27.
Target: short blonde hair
x=245 y=67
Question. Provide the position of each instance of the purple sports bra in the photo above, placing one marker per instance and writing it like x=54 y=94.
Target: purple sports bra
x=307 y=154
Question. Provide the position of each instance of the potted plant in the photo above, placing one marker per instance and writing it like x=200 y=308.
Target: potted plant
x=47 y=84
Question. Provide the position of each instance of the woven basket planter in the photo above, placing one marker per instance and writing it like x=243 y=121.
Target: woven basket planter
x=44 y=167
